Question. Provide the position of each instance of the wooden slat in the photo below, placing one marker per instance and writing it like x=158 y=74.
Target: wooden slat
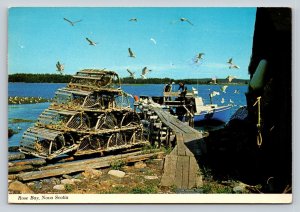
x=16 y=169
x=33 y=162
x=181 y=168
x=74 y=167
x=168 y=178
x=174 y=151
x=192 y=173
x=74 y=91
x=16 y=156
x=179 y=172
x=195 y=172
x=185 y=171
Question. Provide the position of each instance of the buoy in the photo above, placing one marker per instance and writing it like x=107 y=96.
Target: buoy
x=257 y=81
x=136 y=98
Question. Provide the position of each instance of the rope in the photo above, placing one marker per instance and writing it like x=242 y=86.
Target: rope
x=259 y=138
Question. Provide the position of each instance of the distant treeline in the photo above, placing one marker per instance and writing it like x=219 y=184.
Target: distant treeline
x=50 y=78
x=57 y=78
x=128 y=80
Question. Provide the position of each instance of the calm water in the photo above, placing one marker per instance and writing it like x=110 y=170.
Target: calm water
x=47 y=90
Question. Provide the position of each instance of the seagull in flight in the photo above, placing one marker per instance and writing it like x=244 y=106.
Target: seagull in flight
x=236 y=91
x=133 y=19
x=186 y=20
x=72 y=22
x=199 y=57
x=214 y=93
x=154 y=41
x=231 y=64
x=230 y=78
x=131 y=54
x=230 y=61
x=223 y=88
x=92 y=43
x=60 y=67
x=131 y=73
x=144 y=72
x=214 y=80
x=234 y=66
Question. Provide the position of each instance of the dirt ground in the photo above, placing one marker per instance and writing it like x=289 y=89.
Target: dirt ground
x=139 y=178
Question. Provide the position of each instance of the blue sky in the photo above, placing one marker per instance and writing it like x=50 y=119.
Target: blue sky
x=39 y=37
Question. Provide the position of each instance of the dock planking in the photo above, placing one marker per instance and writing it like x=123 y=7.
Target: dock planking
x=181 y=168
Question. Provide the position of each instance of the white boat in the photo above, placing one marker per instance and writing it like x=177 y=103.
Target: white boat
x=187 y=104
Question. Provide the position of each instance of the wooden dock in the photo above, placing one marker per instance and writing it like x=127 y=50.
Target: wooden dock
x=181 y=168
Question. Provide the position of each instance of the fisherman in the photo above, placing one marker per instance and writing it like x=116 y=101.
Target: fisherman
x=168 y=87
x=184 y=92
x=181 y=86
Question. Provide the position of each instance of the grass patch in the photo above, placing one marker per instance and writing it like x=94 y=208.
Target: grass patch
x=69 y=187
x=149 y=189
x=118 y=190
x=166 y=150
x=117 y=164
x=148 y=149
x=215 y=188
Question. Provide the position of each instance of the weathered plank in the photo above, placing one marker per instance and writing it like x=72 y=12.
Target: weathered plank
x=181 y=168
x=16 y=169
x=180 y=145
x=185 y=171
x=88 y=161
x=33 y=162
x=174 y=151
x=16 y=156
x=13 y=149
x=71 y=167
x=195 y=177
x=60 y=171
x=168 y=178
x=193 y=171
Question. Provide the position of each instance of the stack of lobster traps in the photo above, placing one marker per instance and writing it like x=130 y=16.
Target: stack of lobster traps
x=90 y=115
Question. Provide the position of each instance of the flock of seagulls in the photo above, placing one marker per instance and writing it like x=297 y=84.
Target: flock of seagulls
x=197 y=59
x=145 y=71
x=229 y=79
x=223 y=89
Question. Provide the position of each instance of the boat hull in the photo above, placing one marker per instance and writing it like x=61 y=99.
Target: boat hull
x=221 y=114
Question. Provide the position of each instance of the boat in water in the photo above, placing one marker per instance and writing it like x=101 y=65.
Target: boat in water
x=188 y=106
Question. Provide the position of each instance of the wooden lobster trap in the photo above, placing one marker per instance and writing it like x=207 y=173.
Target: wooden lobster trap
x=74 y=99
x=63 y=120
x=93 y=79
x=110 y=140
x=46 y=143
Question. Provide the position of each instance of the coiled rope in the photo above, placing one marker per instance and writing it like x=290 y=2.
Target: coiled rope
x=258 y=125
